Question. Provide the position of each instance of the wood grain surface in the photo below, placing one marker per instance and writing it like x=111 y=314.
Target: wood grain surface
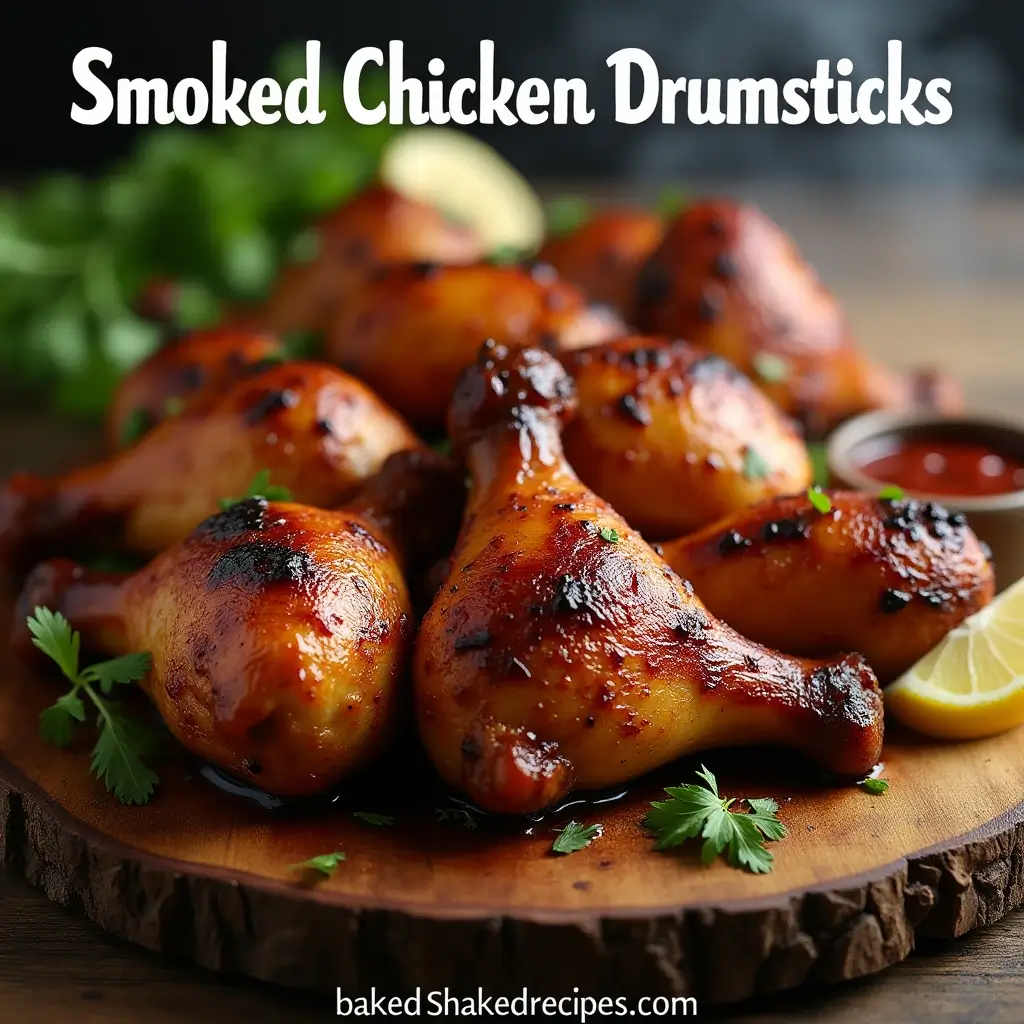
x=909 y=317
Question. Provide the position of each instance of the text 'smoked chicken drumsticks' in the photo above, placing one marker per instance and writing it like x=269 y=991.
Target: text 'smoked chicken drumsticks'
x=563 y=652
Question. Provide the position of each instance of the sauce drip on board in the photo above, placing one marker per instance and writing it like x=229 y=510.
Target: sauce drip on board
x=947 y=467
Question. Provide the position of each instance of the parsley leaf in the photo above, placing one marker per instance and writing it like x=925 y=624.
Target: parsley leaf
x=506 y=256
x=323 y=864
x=57 y=722
x=127 y=669
x=755 y=466
x=123 y=744
x=174 y=405
x=818 y=454
x=698 y=811
x=52 y=634
x=456 y=815
x=117 y=756
x=261 y=487
x=819 y=499
x=891 y=493
x=610 y=534
x=567 y=213
x=876 y=787
x=770 y=367
x=575 y=837
x=672 y=201
x=378 y=820
x=137 y=423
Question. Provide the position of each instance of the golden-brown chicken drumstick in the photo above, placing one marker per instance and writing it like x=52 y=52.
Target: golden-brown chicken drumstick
x=375 y=228
x=562 y=651
x=409 y=333
x=604 y=254
x=675 y=438
x=184 y=374
x=886 y=578
x=279 y=633
x=319 y=432
x=727 y=278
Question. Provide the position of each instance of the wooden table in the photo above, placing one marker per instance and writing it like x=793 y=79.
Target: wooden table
x=926 y=278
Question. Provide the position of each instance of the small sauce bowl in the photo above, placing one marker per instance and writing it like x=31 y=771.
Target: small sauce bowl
x=998 y=519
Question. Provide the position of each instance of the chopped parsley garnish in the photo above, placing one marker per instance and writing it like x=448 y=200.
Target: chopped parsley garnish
x=770 y=367
x=261 y=487
x=819 y=499
x=324 y=864
x=136 y=424
x=695 y=810
x=123 y=744
x=378 y=820
x=610 y=534
x=456 y=815
x=755 y=467
x=575 y=837
x=876 y=787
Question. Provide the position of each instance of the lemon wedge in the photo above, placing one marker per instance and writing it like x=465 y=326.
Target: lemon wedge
x=468 y=179
x=972 y=684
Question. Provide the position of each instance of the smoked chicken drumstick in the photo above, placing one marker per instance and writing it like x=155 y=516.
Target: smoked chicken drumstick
x=603 y=256
x=319 y=432
x=185 y=373
x=279 y=633
x=888 y=578
x=728 y=279
x=675 y=438
x=375 y=228
x=563 y=651
x=411 y=331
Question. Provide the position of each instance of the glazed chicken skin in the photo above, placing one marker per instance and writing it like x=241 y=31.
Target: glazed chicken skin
x=562 y=651
x=375 y=228
x=603 y=256
x=675 y=438
x=184 y=374
x=727 y=278
x=411 y=332
x=886 y=578
x=319 y=432
x=279 y=635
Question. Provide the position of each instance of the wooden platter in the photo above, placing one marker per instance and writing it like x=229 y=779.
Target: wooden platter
x=203 y=874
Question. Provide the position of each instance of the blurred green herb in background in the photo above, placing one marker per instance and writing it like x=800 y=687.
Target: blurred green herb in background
x=215 y=212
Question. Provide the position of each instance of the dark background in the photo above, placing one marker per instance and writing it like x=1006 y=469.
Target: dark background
x=978 y=44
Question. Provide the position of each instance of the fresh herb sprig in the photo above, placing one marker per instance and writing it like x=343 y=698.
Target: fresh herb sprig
x=874 y=785
x=123 y=745
x=260 y=487
x=324 y=864
x=695 y=810
x=575 y=837
x=819 y=499
x=457 y=816
x=377 y=820
x=212 y=214
x=755 y=465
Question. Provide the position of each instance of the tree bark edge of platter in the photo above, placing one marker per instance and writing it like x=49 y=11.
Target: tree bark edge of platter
x=716 y=954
